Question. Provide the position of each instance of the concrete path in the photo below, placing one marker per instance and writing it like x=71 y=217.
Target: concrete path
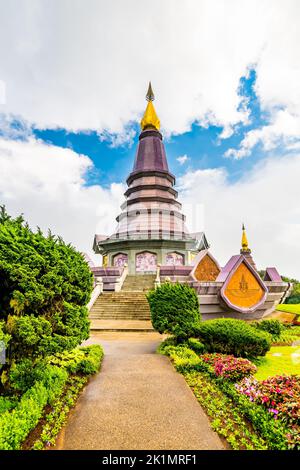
x=137 y=401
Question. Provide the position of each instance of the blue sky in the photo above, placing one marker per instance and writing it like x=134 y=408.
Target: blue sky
x=202 y=145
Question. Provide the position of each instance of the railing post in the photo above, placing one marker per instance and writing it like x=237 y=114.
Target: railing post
x=99 y=282
x=157 y=279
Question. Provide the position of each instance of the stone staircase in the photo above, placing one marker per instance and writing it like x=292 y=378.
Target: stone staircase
x=142 y=283
x=126 y=310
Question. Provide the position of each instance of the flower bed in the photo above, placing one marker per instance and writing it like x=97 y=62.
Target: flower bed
x=230 y=367
x=280 y=395
x=270 y=414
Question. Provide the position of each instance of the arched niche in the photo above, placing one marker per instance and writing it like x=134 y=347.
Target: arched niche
x=120 y=259
x=145 y=261
x=174 y=258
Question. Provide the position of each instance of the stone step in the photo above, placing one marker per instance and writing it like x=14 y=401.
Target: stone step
x=122 y=325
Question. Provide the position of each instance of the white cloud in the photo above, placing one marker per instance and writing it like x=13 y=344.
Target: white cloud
x=48 y=184
x=182 y=159
x=85 y=65
x=266 y=200
x=285 y=129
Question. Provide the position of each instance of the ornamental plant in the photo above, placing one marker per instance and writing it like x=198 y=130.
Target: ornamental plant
x=44 y=287
x=230 y=367
x=174 y=309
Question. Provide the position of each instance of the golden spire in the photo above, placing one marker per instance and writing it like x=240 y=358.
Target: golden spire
x=150 y=119
x=245 y=246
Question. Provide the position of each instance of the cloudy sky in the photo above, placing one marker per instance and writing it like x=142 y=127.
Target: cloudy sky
x=226 y=75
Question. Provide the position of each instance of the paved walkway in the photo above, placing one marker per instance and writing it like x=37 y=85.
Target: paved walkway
x=137 y=401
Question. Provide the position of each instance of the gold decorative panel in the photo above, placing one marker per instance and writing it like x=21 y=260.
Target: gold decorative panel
x=207 y=270
x=243 y=289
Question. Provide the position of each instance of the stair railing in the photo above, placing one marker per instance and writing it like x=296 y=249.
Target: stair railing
x=121 y=279
x=98 y=289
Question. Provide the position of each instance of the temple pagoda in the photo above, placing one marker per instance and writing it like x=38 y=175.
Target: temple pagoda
x=151 y=228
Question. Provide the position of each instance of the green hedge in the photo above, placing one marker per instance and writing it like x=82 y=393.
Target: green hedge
x=174 y=309
x=230 y=336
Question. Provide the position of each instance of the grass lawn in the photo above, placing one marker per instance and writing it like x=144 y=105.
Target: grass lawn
x=279 y=360
x=290 y=308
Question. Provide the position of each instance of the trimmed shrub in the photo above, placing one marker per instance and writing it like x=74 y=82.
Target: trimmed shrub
x=272 y=326
x=174 y=309
x=236 y=337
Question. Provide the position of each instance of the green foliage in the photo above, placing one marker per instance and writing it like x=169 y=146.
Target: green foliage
x=165 y=346
x=56 y=418
x=174 y=309
x=196 y=345
x=7 y=403
x=21 y=375
x=15 y=425
x=230 y=336
x=47 y=381
x=4 y=340
x=44 y=287
x=272 y=326
x=294 y=297
x=86 y=360
x=184 y=359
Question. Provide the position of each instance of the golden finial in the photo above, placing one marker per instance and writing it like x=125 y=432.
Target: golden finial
x=150 y=119
x=245 y=245
x=150 y=94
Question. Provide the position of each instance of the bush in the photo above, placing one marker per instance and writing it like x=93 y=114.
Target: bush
x=272 y=326
x=86 y=360
x=236 y=337
x=45 y=285
x=174 y=309
x=184 y=359
x=195 y=345
x=21 y=375
x=230 y=367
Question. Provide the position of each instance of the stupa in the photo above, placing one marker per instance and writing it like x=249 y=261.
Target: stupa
x=151 y=228
x=152 y=245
